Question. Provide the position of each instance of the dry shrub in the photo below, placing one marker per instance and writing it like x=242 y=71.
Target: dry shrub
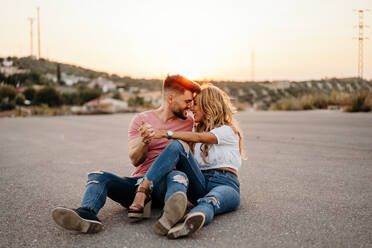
x=360 y=102
x=351 y=102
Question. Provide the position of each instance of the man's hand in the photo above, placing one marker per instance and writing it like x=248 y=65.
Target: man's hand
x=147 y=132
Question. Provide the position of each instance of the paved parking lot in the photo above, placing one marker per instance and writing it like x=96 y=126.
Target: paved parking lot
x=307 y=182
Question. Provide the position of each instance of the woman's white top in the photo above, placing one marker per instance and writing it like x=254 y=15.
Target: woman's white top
x=224 y=154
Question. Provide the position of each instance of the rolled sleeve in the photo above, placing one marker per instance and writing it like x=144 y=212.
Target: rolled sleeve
x=225 y=135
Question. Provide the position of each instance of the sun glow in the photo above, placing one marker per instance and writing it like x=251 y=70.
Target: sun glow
x=199 y=39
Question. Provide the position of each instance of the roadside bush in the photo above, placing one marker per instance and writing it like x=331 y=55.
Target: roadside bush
x=4 y=106
x=360 y=102
x=352 y=102
x=43 y=109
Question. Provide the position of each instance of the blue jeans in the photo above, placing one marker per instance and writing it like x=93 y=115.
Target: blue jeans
x=214 y=192
x=123 y=189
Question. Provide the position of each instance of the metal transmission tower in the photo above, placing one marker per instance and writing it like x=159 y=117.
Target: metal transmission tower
x=252 y=65
x=360 y=39
x=31 y=36
x=38 y=32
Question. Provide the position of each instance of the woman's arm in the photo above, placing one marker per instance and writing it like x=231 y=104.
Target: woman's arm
x=205 y=137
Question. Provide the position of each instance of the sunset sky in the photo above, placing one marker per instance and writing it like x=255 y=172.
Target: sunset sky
x=212 y=39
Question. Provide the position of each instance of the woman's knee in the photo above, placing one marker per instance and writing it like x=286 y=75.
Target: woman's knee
x=222 y=198
x=178 y=145
x=178 y=177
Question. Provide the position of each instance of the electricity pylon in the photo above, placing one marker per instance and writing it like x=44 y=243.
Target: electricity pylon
x=38 y=32
x=360 y=39
x=31 y=36
x=252 y=65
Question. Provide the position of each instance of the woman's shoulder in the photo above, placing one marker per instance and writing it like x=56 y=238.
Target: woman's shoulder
x=225 y=134
x=224 y=128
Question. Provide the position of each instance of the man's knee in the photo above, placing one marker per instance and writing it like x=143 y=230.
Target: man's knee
x=96 y=177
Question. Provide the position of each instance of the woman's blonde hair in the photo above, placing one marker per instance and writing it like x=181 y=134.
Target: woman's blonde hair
x=218 y=111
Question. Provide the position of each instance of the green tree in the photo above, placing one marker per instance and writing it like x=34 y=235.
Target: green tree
x=58 y=73
x=71 y=98
x=30 y=93
x=20 y=99
x=117 y=96
x=48 y=95
x=7 y=93
x=136 y=101
x=2 y=77
x=89 y=94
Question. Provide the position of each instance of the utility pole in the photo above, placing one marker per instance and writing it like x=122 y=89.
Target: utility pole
x=31 y=36
x=360 y=39
x=38 y=32
x=252 y=65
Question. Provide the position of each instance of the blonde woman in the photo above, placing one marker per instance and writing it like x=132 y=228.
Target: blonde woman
x=211 y=169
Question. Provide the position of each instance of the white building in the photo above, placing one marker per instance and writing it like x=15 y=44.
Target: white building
x=68 y=79
x=105 y=84
x=105 y=104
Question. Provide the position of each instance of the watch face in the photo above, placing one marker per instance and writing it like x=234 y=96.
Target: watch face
x=170 y=134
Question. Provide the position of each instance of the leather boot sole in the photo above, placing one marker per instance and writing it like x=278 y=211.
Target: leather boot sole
x=192 y=223
x=70 y=220
x=174 y=210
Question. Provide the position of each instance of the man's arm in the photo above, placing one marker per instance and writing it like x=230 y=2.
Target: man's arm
x=137 y=151
x=138 y=147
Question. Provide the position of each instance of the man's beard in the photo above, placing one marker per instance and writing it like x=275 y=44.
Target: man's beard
x=179 y=114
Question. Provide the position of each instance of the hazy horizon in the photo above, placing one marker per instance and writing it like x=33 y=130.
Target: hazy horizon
x=291 y=40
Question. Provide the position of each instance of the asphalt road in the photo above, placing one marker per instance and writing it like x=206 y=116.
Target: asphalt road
x=307 y=182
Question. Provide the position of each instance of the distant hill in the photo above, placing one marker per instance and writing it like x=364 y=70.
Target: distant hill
x=44 y=66
x=255 y=93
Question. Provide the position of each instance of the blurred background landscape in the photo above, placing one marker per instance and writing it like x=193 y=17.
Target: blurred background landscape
x=43 y=87
x=80 y=57
x=307 y=179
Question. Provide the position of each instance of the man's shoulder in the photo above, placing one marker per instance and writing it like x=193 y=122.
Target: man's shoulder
x=145 y=115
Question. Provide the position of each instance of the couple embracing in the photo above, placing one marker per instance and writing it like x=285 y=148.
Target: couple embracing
x=181 y=162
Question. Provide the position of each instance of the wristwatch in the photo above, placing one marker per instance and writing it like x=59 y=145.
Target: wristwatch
x=170 y=134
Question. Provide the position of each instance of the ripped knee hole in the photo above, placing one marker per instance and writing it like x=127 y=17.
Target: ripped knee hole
x=212 y=199
x=96 y=172
x=92 y=181
x=180 y=179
